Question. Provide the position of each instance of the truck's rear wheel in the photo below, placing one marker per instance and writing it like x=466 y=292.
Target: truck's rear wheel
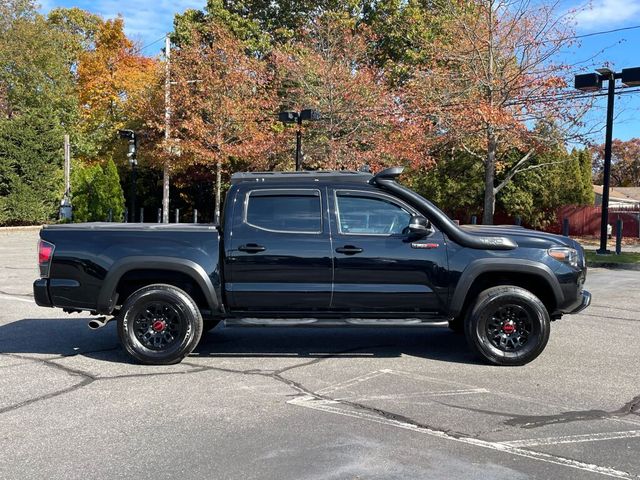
x=507 y=325
x=159 y=325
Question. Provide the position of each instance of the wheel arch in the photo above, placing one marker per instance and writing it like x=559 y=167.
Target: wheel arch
x=485 y=273
x=108 y=297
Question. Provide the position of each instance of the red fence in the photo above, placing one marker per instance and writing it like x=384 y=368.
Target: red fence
x=585 y=220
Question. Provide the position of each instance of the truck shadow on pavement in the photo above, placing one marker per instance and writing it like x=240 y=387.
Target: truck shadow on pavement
x=71 y=336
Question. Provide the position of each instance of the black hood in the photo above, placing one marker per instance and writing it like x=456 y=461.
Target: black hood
x=522 y=236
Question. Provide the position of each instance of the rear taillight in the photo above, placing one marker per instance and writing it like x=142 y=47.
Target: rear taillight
x=45 y=254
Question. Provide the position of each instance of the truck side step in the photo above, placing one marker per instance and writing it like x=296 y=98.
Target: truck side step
x=334 y=322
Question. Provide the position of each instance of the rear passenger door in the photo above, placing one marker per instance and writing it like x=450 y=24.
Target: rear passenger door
x=279 y=257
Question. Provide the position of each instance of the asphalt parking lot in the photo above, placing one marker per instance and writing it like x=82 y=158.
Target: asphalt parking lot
x=315 y=404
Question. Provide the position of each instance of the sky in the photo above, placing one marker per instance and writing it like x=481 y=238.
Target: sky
x=147 y=21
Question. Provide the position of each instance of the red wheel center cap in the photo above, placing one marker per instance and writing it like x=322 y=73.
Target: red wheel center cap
x=508 y=328
x=158 y=325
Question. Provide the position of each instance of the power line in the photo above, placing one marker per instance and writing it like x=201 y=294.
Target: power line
x=143 y=47
x=605 y=32
x=576 y=37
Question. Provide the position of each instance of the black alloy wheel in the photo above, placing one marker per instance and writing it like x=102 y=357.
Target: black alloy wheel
x=159 y=325
x=507 y=325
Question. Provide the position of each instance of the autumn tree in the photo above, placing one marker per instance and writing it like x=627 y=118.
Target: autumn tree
x=625 y=163
x=112 y=78
x=223 y=107
x=490 y=77
x=331 y=70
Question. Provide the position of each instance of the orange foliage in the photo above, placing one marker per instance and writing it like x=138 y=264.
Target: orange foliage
x=362 y=121
x=222 y=104
x=113 y=76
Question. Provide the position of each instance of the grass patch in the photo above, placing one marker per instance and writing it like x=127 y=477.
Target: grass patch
x=624 y=257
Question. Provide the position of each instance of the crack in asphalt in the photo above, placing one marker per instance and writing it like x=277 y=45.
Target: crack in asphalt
x=612 y=307
x=88 y=378
x=536 y=421
x=302 y=390
x=520 y=421
x=609 y=317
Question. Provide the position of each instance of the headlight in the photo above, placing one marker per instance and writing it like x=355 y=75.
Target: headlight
x=564 y=254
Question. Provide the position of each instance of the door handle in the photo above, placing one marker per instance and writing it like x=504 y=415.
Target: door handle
x=349 y=250
x=251 y=248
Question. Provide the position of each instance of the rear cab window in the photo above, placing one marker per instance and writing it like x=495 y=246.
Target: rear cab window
x=284 y=210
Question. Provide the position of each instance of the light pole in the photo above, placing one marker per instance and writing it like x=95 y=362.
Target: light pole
x=298 y=117
x=591 y=82
x=131 y=154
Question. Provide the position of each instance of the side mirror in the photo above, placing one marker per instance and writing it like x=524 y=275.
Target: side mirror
x=419 y=225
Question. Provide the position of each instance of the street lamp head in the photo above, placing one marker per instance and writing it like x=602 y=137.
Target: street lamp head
x=604 y=71
x=631 y=76
x=128 y=134
x=588 y=82
x=288 y=117
x=310 y=114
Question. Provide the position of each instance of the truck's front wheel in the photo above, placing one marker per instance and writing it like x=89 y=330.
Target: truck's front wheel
x=507 y=325
x=159 y=325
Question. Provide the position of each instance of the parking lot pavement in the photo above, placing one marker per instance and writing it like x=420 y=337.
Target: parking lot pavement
x=316 y=404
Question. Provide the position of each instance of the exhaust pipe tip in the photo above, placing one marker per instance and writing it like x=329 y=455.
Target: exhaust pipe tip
x=97 y=323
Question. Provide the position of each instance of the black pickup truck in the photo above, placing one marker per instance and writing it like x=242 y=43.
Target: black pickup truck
x=315 y=248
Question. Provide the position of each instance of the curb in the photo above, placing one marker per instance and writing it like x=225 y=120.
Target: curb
x=615 y=266
x=28 y=228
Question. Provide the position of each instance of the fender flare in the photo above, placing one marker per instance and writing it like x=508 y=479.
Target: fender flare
x=484 y=265
x=107 y=297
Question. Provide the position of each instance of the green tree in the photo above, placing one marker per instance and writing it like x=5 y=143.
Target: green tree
x=31 y=160
x=37 y=104
x=97 y=190
x=239 y=21
x=402 y=29
x=586 y=168
x=453 y=183
x=78 y=28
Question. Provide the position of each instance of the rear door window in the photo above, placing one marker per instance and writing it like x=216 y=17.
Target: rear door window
x=287 y=211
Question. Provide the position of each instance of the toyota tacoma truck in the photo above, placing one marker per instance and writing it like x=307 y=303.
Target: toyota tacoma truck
x=315 y=249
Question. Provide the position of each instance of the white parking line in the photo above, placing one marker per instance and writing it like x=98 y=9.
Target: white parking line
x=352 y=381
x=330 y=406
x=546 y=403
x=589 y=437
x=443 y=393
x=16 y=298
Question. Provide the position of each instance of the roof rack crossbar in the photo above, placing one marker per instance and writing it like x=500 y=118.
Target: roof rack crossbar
x=327 y=175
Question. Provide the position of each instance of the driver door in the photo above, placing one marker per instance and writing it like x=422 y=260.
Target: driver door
x=378 y=266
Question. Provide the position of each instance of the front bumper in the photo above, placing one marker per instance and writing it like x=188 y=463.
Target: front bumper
x=41 y=292
x=584 y=300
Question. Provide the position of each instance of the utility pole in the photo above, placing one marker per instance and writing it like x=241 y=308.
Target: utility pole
x=299 y=143
x=167 y=130
x=67 y=166
x=65 y=205
x=132 y=155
